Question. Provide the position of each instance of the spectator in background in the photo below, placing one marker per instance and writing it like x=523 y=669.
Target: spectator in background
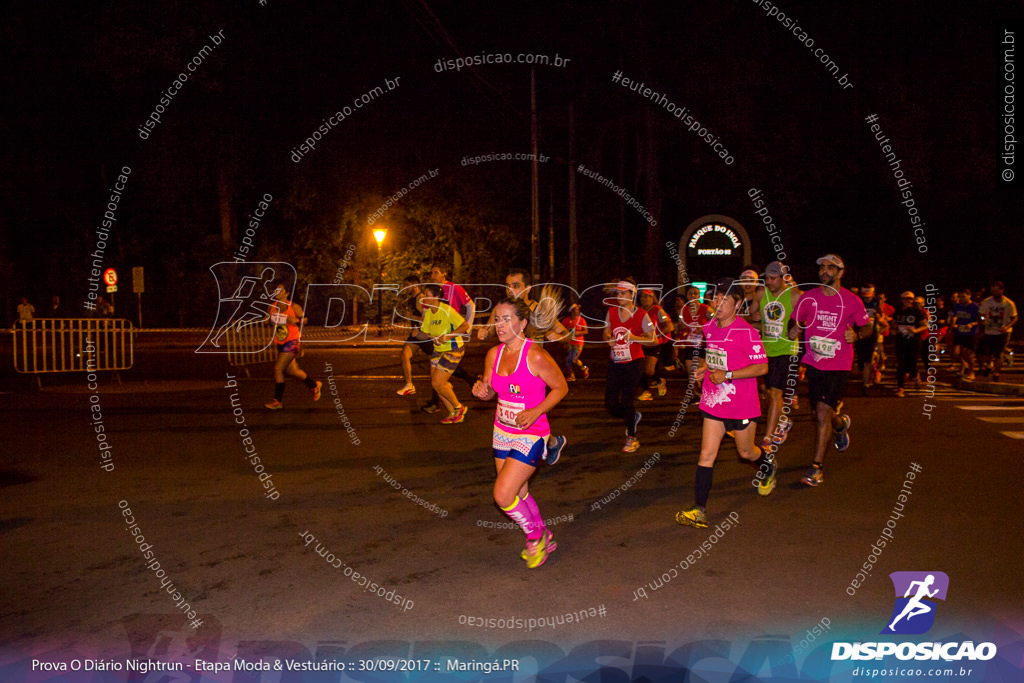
x=25 y=311
x=104 y=309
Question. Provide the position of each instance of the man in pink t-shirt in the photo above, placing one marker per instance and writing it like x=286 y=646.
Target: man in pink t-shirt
x=454 y=294
x=832 y=319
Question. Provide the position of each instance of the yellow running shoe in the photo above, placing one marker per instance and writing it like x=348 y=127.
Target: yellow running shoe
x=537 y=551
x=694 y=517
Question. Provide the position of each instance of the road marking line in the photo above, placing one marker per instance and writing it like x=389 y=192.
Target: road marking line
x=989 y=407
x=1002 y=420
x=966 y=397
x=1013 y=435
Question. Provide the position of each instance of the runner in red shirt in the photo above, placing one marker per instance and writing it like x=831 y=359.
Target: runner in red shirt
x=578 y=325
x=288 y=317
x=626 y=328
x=659 y=352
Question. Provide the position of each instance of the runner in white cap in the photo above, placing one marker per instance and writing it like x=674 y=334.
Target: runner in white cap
x=832 y=319
x=626 y=328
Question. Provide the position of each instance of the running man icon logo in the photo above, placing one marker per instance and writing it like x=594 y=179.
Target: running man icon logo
x=245 y=293
x=914 y=612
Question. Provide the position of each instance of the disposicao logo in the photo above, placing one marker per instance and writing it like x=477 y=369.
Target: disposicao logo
x=916 y=593
x=914 y=614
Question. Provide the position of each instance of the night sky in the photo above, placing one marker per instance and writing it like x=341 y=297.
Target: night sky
x=80 y=80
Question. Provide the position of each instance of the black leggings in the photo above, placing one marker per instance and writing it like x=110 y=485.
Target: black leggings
x=906 y=358
x=623 y=380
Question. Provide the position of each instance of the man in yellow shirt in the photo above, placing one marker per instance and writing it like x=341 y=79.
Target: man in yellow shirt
x=449 y=332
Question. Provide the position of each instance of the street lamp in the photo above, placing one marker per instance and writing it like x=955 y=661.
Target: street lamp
x=379 y=234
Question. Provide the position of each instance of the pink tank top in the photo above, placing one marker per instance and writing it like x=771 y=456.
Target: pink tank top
x=517 y=392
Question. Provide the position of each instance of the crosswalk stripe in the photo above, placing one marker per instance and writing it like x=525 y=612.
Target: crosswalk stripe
x=968 y=396
x=988 y=407
x=1013 y=435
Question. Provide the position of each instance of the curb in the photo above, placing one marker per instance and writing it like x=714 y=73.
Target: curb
x=989 y=387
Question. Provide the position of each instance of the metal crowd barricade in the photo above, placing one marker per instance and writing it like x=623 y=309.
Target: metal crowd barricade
x=73 y=345
x=251 y=344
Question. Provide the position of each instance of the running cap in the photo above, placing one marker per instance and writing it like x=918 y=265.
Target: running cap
x=748 y=274
x=833 y=259
x=907 y=295
x=647 y=291
x=775 y=268
x=723 y=285
x=627 y=286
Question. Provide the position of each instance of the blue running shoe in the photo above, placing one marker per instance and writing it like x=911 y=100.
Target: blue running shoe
x=555 y=446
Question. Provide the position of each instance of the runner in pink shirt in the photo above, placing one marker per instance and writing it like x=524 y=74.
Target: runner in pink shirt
x=528 y=384
x=735 y=358
x=832 y=319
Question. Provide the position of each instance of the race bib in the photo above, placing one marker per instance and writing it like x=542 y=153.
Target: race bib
x=507 y=411
x=906 y=330
x=963 y=329
x=717 y=359
x=823 y=347
x=772 y=329
x=278 y=318
x=620 y=354
x=694 y=339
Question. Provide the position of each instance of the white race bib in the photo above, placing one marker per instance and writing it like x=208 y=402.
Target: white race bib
x=507 y=411
x=620 y=353
x=772 y=329
x=823 y=347
x=717 y=359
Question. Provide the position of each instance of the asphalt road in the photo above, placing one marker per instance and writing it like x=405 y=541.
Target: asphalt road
x=369 y=486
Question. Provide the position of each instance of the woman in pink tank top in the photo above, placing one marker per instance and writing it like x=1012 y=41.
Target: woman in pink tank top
x=527 y=383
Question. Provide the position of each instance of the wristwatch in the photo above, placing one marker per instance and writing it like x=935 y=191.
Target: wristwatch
x=728 y=375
